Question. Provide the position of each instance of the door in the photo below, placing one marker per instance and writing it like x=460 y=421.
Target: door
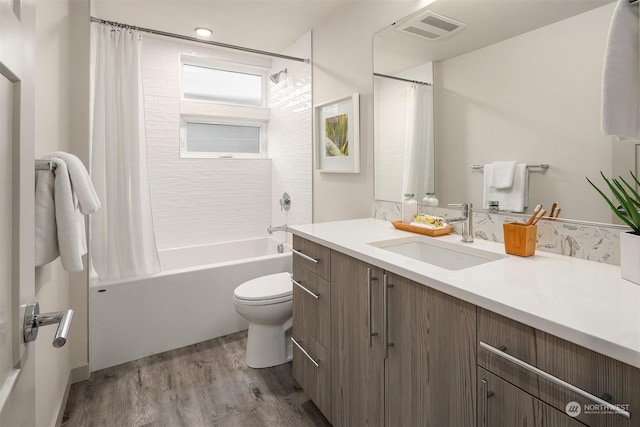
x=17 y=360
x=357 y=351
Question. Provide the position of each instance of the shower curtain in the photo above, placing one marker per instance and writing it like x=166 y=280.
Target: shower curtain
x=418 y=175
x=122 y=237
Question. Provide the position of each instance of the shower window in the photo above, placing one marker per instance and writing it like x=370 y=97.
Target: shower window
x=222 y=86
x=204 y=138
x=224 y=108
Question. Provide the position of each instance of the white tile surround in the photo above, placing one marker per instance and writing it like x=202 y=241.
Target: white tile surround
x=290 y=137
x=198 y=201
x=595 y=243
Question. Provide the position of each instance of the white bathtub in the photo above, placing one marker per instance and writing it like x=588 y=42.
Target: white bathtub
x=188 y=302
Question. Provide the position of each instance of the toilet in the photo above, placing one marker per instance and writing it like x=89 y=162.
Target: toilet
x=267 y=303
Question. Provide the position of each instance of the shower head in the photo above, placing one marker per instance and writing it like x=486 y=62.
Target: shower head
x=276 y=77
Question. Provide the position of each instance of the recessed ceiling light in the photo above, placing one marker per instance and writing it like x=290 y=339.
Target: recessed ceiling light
x=203 y=32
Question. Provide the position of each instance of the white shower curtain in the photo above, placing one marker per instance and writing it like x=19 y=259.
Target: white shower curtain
x=122 y=237
x=418 y=175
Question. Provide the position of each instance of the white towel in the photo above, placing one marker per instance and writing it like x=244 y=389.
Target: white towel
x=502 y=174
x=514 y=199
x=70 y=222
x=88 y=200
x=46 y=232
x=621 y=74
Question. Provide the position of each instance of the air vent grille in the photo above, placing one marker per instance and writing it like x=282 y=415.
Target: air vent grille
x=431 y=26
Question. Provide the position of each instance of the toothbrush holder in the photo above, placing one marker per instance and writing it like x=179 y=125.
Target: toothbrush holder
x=520 y=239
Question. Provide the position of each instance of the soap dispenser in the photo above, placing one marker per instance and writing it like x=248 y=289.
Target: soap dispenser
x=409 y=208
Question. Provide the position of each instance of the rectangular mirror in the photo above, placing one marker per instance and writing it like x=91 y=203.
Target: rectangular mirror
x=521 y=80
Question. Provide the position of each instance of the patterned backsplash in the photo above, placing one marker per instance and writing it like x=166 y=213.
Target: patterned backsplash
x=600 y=243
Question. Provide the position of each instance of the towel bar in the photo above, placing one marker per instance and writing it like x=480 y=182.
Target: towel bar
x=532 y=168
x=45 y=165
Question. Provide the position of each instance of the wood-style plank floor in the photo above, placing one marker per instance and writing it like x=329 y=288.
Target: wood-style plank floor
x=206 y=384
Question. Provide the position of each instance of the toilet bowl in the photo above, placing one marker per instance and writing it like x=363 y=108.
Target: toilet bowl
x=267 y=303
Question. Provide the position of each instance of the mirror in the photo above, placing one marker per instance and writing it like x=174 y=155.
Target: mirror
x=520 y=81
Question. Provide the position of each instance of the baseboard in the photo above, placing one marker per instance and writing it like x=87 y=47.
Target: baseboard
x=81 y=373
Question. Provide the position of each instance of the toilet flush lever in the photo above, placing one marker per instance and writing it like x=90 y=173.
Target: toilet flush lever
x=33 y=319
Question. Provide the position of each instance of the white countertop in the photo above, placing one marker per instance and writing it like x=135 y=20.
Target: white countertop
x=581 y=301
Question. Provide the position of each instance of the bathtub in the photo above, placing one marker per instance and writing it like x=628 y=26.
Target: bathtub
x=188 y=302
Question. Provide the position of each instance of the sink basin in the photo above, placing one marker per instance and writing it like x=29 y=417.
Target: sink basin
x=439 y=253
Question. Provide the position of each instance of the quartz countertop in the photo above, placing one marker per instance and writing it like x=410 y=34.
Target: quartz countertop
x=581 y=301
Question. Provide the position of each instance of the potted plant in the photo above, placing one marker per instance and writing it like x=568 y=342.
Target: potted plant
x=629 y=203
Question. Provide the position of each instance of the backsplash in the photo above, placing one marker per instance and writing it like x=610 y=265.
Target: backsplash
x=575 y=239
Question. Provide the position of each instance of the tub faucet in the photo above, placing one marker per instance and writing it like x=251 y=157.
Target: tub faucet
x=271 y=229
x=466 y=219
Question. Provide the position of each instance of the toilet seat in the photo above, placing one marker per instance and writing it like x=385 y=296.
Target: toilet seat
x=270 y=289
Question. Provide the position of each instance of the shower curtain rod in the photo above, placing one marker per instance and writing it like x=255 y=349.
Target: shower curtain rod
x=197 y=40
x=401 y=79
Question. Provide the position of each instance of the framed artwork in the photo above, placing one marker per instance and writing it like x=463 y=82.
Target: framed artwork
x=338 y=135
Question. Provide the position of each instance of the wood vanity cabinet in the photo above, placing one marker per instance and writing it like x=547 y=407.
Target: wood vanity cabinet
x=312 y=321
x=402 y=353
x=504 y=344
x=503 y=404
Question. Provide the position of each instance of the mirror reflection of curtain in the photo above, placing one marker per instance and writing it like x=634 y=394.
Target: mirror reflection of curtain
x=419 y=143
x=122 y=236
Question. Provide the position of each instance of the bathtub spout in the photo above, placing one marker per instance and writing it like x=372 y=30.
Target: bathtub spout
x=271 y=229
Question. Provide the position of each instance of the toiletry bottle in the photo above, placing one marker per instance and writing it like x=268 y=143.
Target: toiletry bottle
x=430 y=199
x=409 y=208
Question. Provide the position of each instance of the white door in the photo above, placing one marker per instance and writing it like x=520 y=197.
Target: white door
x=17 y=359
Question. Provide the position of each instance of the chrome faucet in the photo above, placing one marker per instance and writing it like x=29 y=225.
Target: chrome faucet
x=271 y=229
x=466 y=219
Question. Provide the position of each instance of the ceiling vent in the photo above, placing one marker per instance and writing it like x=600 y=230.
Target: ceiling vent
x=431 y=26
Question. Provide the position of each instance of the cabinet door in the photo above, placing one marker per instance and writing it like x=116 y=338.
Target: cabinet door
x=357 y=353
x=502 y=404
x=431 y=365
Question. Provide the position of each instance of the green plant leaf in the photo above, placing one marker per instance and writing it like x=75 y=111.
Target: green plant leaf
x=636 y=228
x=635 y=199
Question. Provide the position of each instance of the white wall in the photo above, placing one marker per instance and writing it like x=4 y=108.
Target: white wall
x=61 y=72
x=195 y=201
x=343 y=64
x=534 y=98
x=290 y=132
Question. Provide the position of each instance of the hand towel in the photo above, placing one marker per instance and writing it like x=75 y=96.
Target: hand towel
x=512 y=199
x=501 y=175
x=70 y=222
x=46 y=231
x=621 y=74
x=88 y=200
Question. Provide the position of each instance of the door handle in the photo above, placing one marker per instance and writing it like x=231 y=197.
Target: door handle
x=33 y=319
x=385 y=314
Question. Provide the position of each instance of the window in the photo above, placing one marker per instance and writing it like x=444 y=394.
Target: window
x=203 y=138
x=223 y=86
x=223 y=108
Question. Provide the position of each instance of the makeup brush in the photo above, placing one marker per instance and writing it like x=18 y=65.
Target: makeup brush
x=553 y=209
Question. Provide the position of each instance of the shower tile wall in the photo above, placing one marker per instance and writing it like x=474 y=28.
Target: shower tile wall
x=195 y=201
x=290 y=136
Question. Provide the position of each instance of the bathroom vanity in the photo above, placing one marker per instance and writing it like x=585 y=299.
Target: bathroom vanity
x=387 y=333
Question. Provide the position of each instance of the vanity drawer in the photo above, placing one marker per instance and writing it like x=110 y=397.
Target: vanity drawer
x=312 y=304
x=504 y=343
x=312 y=256
x=312 y=369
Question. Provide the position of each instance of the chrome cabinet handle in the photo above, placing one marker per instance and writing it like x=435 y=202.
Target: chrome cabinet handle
x=385 y=314
x=307 y=257
x=316 y=296
x=485 y=403
x=305 y=353
x=555 y=380
x=369 y=313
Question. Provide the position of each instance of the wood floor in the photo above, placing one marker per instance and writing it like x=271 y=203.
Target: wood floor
x=206 y=384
